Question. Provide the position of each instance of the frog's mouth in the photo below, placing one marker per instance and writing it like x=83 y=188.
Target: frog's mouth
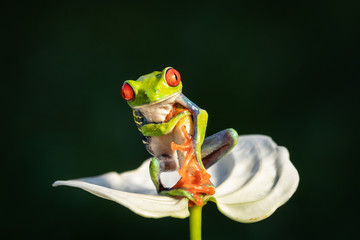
x=158 y=101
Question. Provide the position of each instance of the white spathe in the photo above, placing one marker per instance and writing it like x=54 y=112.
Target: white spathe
x=251 y=182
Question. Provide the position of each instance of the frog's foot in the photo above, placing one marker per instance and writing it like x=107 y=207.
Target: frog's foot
x=195 y=195
x=194 y=181
x=178 y=192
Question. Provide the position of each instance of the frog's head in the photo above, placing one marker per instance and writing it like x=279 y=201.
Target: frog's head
x=151 y=88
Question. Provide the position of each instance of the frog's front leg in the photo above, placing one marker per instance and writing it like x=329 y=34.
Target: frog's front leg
x=160 y=129
x=217 y=146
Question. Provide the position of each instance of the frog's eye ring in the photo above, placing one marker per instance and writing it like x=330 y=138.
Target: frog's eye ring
x=127 y=92
x=172 y=77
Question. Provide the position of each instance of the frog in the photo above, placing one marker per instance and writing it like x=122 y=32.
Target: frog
x=167 y=120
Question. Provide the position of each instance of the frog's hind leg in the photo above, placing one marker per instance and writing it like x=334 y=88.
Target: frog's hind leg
x=159 y=164
x=155 y=173
x=217 y=146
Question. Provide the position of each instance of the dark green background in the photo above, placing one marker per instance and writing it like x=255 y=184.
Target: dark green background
x=288 y=70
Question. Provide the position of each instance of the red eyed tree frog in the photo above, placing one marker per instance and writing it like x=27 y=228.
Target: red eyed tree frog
x=173 y=131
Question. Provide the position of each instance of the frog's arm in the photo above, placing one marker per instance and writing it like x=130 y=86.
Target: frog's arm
x=200 y=118
x=159 y=129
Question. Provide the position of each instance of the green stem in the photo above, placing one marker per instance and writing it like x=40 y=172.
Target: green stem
x=195 y=222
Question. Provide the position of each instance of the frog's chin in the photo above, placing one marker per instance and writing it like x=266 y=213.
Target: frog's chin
x=174 y=95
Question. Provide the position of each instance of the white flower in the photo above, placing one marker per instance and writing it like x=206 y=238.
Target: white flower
x=251 y=182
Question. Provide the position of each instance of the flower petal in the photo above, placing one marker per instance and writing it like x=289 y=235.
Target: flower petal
x=134 y=190
x=254 y=179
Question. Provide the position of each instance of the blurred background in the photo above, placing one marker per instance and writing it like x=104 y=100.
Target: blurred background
x=287 y=70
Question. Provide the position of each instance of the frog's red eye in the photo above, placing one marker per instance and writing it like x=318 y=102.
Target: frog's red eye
x=172 y=77
x=127 y=92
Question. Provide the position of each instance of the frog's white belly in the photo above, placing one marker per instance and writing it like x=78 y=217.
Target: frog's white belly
x=157 y=112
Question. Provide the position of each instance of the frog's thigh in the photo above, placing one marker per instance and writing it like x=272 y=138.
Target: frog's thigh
x=160 y=146
x=217 y=145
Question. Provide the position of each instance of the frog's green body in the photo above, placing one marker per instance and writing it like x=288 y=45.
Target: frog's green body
x=152 y=97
